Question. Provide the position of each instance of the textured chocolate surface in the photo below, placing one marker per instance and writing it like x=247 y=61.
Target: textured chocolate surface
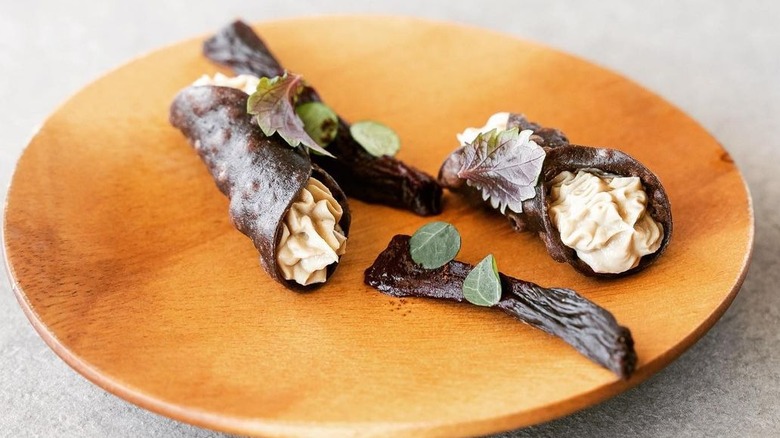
x=238 y=47
x=382 y=180
x=564 y=156
x=261 y=175
x=545 y=137
x=590 y=329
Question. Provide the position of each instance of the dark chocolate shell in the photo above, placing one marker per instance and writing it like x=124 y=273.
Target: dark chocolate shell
x=377 y=180
x=536 y=217
x=562 y=156
x=261 y=175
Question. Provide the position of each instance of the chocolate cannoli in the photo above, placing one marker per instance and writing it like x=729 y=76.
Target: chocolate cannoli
x=296 y=214
x=381 y=180
x=590 y=329
x=597 y=209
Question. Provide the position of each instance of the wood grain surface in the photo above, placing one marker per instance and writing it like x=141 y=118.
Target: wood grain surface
x=126 y=263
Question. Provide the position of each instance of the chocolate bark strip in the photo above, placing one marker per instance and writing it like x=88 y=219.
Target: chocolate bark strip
x=381 y=180
x=564 y=156
x=261 y=175
x=590 y=329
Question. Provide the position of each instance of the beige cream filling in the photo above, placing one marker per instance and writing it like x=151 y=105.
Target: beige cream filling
x=311 y=239
x=604 y=219
x=497 y=121
x=245 y=83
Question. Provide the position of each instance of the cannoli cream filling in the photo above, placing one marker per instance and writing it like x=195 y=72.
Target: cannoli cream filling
x=245 y=83
x=497 y=121
x=604 y=218
x=311 y=237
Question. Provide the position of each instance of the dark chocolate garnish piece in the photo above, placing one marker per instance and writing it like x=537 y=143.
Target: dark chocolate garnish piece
x=564 y=156
x=382 y=180
x=563 y=313
x=261 y=175
x=238 y=47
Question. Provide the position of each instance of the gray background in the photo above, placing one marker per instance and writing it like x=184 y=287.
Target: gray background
x=720 y=62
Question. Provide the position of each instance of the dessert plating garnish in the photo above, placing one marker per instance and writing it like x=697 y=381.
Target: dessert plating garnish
x=434 y=244
x=482 y=286
x=376 y=138
x=504 y=166
x=563 y=313
x=273 y=105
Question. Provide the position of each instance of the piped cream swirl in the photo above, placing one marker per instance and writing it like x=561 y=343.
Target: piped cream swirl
x=604 y=219
x=311 y=239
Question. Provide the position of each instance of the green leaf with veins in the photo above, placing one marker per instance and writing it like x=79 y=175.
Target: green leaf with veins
x=377 y=139
x=483 y=286
x=434 y=244
x=272 y=107
x=319 y=121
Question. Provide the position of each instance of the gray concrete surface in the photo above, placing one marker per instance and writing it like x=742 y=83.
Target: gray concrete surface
x=719 y=61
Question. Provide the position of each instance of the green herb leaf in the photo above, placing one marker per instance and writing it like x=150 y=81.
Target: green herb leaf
x=375 y=138
x=319 y=121
x=434 y=244
x=504 y=166
x=272 y=105
x=482 y=286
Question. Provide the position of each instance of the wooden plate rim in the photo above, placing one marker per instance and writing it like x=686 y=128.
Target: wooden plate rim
x=241 y=425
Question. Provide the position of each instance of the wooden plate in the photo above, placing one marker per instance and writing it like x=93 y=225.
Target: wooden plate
x=125 y=261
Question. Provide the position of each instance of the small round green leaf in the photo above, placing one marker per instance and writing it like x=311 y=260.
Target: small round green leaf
x=375 y=138
x=434 y=244
x=482 y=286
x=319 y=121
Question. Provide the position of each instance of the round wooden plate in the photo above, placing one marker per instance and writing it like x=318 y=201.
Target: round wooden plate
x=125 y=261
